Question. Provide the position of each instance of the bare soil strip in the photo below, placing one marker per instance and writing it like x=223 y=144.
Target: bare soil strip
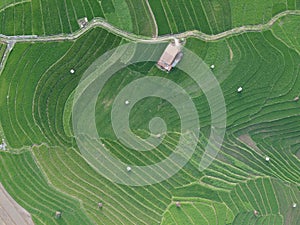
x=246 y=139
x=11 y=213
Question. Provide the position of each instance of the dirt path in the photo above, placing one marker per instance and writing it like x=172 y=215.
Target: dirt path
x=230 y=52
x=153 y=18
x=11 y=213
x=99 y=22
x=8 y=49
x=13 y=4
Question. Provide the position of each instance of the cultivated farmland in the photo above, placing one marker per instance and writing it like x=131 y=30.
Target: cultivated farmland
x=255 y=177
x=60 y=17
x=215 y=16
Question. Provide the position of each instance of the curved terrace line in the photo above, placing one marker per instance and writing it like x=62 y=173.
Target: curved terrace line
x=13 y=4
x=99 y=22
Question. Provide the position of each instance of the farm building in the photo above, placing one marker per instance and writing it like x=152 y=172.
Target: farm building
x=170 y=57
x=83 y=22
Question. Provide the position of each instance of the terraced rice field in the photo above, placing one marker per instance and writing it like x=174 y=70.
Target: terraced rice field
x=215 y=16
x=20 y=17
x=44 y=170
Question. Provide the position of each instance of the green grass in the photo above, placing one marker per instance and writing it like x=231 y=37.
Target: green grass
x=211 y=17
x=121 y=203
x=142 y=22
x=25 y=182
x=49 y=173
x=35 y=128
x=9 y=3
x=59 y=17
x=25 y=17
x=286 y=31
x=40 y=113
x=117 y=13
x=248 y=217
x=215 y=16
x=271 y=198
x=196 y=213
x=247 y=12
x=197 y=191
x=179 y=16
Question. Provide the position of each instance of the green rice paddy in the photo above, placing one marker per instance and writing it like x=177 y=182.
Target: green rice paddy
x=43 y=169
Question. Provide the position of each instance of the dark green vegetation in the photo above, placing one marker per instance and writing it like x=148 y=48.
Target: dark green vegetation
x=142 y=22
x=215 y=16
x=286 y=29
x=28 y=186
x=60 y=17
x=44 y=170
x=206 y=16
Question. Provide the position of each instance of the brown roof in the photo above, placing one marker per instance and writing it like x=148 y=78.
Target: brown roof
x=169 y=54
